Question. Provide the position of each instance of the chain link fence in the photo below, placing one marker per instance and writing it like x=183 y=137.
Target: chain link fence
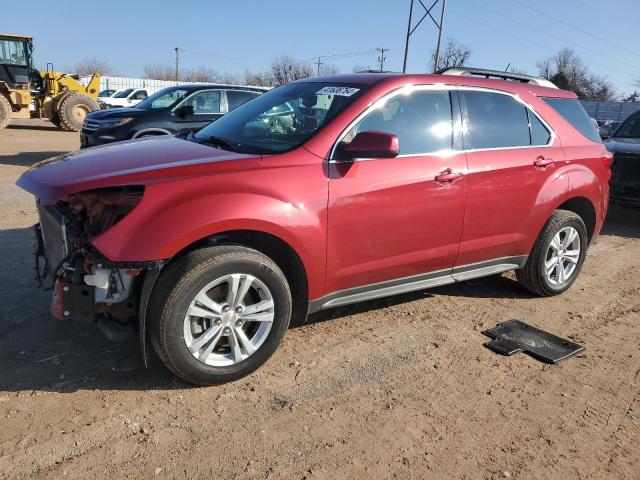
x=610 y=110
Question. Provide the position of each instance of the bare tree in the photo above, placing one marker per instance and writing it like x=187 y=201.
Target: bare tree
x=454 y=54
x=567 y=70
x=285 y=69
x=89 y=66
x=258 y=79
x=230 y=79
x=329 y=69
x=159 y=72
x=201 y=74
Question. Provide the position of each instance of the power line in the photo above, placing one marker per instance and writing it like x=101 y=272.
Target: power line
x=578 y=29
x=536 y=29
x=475 y=21
x=207 y=54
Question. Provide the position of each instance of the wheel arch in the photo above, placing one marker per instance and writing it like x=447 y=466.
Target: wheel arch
x=281 y=252
x=152 y=131
x=584 y=208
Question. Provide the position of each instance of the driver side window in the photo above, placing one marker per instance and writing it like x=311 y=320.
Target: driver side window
x=204 y=102
x=421 y=120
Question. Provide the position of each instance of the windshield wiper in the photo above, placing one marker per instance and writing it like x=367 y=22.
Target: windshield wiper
x=221 y=143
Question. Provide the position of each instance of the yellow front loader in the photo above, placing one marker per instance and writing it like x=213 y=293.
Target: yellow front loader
x=27 y=93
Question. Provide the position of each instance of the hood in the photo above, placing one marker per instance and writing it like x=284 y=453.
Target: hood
x=135 y=162
x=120 y=112
x=619 y=144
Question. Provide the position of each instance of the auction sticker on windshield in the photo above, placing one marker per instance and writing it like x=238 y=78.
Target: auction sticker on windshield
x=340 y=91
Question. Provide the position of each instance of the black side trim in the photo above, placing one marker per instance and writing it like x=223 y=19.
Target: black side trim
x=417 y=282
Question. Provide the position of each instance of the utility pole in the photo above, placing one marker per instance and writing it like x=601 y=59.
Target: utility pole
x=318 y=63
x=411 y=30
x=176 y=49
x=382 y=57
x=440 y=27
x=406 y=45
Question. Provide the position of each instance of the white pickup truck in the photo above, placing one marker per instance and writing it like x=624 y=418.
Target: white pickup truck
x=128 y=97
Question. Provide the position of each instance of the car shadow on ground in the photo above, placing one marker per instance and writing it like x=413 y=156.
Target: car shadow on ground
x=622 y=222
x=25 y=126
x=39 y=353
x=26 y=159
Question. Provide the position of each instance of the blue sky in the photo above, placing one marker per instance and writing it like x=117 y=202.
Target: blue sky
x=235 y=35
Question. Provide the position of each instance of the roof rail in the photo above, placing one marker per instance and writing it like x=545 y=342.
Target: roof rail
x=483 y=72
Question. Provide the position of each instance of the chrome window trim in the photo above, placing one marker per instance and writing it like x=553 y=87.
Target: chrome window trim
x=407 y=89
x=219 y=90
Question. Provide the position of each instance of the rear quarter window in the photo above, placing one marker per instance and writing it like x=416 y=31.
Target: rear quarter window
x=573 y=112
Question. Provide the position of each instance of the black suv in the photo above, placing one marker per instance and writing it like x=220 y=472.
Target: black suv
x=625 y=171
x=170 y=111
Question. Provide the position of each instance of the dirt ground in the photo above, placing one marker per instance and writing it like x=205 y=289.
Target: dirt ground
x=396 y=388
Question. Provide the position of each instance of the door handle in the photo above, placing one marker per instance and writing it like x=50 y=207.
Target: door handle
x=542 y=162
x=448 y=176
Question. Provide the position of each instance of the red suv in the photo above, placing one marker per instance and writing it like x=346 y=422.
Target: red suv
x=319 y=193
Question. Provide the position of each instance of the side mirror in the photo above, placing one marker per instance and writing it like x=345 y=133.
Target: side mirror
x=184 y=110
x=371 y=144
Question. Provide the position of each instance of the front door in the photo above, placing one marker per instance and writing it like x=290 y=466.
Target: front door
x=398 y=217
x=206 y=109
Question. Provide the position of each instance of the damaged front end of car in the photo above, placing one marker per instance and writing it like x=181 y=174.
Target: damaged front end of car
x=85 y=284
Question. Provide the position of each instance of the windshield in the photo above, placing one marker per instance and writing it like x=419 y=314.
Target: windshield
x=281 y=119
x=12 y=52
x=165 y=98
x=123 y=93
x=630 y=128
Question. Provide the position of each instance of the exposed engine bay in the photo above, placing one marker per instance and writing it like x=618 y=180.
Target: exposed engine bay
x=85 y=284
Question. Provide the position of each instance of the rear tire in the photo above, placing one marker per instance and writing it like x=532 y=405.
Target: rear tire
x=5 y=111
x=73 y=109
x=218 y=343
x=557 y=256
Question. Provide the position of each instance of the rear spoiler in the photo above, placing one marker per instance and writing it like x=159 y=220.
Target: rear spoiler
x=482 y=72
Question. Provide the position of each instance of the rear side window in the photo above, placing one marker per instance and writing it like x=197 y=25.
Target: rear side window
x=574 y=113
x=494 y=120
x=235 y=98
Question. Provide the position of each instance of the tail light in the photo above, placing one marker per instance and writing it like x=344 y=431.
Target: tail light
x=608 y=159
x=102 y=208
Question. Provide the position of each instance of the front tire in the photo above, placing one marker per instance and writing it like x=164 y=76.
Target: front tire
x=73 y=109
x=5 y=111
x=557 y=256
x=218 y=313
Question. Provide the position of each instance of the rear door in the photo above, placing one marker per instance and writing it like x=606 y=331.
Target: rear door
x=397 y=217
x=511 y=154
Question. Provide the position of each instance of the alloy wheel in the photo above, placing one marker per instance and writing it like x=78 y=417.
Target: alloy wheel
x=229 y=319
x=562 y=256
